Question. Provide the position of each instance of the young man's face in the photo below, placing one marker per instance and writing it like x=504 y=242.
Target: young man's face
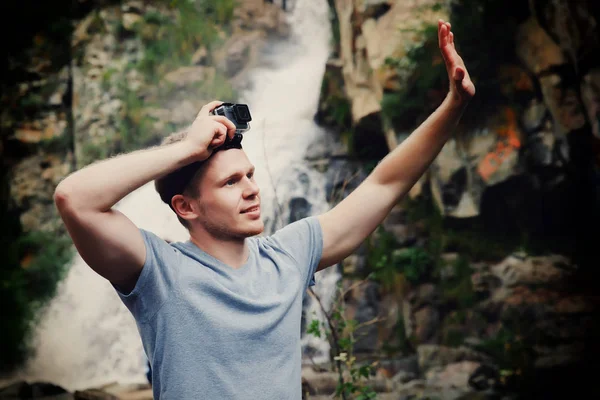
x=229 y=202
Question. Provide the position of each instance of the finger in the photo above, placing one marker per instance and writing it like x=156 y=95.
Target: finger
x=216 y=142
x=465 y=85
x=231 y=128
x=443 y=35
x=451 y=38
x=205 y=111
x=220 y=130
x=440 y=37
x=459 y=74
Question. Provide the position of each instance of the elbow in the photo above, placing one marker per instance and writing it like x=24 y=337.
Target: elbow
x=62 y=198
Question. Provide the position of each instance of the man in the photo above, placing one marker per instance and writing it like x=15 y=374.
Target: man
x=219 y=315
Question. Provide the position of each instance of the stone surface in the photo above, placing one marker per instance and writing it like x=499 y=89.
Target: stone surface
x=431 y=355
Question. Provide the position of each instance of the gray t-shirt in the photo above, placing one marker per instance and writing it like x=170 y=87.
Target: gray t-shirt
x=214 y=332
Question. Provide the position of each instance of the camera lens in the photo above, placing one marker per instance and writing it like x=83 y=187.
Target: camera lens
x=242 y=113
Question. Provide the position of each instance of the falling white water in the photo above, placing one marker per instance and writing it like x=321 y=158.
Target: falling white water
x=87 y=337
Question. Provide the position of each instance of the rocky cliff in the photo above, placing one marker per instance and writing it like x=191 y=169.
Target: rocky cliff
x=483 y=273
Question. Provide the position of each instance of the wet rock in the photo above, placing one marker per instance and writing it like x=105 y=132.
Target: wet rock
x=299 y=208
x=50 y=126
x=396 y=223
x=431 y=355
x=536 y=48
x=353 y=264
x=373 y=8
x=238 y=50
x=32 y=187
x=450 y=184
x=427 y=322
x=383 y=33
x=423 y=295
x=319 y=382
x=590 y=92
x=367 y=309
x=200 y=56
x=401 y=368
x=534 y=115
x=452 y=375
x=35 y=390
x=130 y=20
x=184 y=76
x=116 y=391
x=550 y=271
x=403 y=377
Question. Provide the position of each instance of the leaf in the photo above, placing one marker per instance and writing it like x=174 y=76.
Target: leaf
x=365 y=371
x=314 y=328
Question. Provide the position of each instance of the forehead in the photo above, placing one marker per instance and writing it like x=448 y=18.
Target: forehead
x=227 y=162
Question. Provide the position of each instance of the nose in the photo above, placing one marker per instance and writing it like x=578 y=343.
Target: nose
x=251 y=189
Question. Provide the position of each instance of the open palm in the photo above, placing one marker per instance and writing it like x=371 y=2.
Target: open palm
x=461 y=86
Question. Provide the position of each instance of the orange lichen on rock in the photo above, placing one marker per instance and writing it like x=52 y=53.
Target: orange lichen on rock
x=508 y=142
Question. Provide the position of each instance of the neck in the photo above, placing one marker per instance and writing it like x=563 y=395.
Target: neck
x=232 y=251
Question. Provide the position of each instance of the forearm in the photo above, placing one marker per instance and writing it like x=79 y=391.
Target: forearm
x=403 y=167
x=101 y=185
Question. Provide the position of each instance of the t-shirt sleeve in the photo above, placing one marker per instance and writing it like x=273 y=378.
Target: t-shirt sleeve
x=157 y=279
x=303 y=241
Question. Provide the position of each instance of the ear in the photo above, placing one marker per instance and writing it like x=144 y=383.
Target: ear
x=183 y=207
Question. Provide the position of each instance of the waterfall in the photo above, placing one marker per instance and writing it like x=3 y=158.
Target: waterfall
x=87 y=337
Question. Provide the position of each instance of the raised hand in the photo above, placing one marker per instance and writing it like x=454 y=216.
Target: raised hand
x=209 y=131
x=462 y=88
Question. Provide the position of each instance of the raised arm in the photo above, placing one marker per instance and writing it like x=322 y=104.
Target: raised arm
x=349 y=223
x=105 y=238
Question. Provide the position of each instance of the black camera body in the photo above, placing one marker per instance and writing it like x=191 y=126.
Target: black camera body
x=239 y=114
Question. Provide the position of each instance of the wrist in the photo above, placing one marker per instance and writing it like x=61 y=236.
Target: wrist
x=455 y=103
x=190 y=153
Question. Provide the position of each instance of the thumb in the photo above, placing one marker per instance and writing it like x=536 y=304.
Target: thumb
x=459 y=74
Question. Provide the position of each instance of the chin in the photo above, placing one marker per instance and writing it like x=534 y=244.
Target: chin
x=256 y=229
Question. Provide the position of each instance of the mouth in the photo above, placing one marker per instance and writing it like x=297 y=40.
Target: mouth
x=251 y=209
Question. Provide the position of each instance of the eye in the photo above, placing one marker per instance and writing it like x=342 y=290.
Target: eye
x=230 y=182
x=250 y=175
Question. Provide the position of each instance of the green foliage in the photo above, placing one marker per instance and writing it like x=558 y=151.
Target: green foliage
x=453 y=337
x=342 y=335
x=136 y=126
x=458 y=289
x=335 y=28
x=469 y=239
x=426 y=79
x=313 y=328
x=380 y=257
x=170 y=37
x=387 y=260
x=170 y=42
x=400 y=344
x=32 y=266
x=513 y=353
x=334 y=106
x=415 y=262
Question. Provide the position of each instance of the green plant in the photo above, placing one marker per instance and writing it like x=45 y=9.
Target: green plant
x=415 y=263
x=342 y=335
x=458 y=288
x=33 y=264
x=425 y=78
x=170 y=41
x=512 y=351
x=381 y=262
x=387 y=260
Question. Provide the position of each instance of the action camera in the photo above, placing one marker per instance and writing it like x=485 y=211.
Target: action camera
x=239 y=114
